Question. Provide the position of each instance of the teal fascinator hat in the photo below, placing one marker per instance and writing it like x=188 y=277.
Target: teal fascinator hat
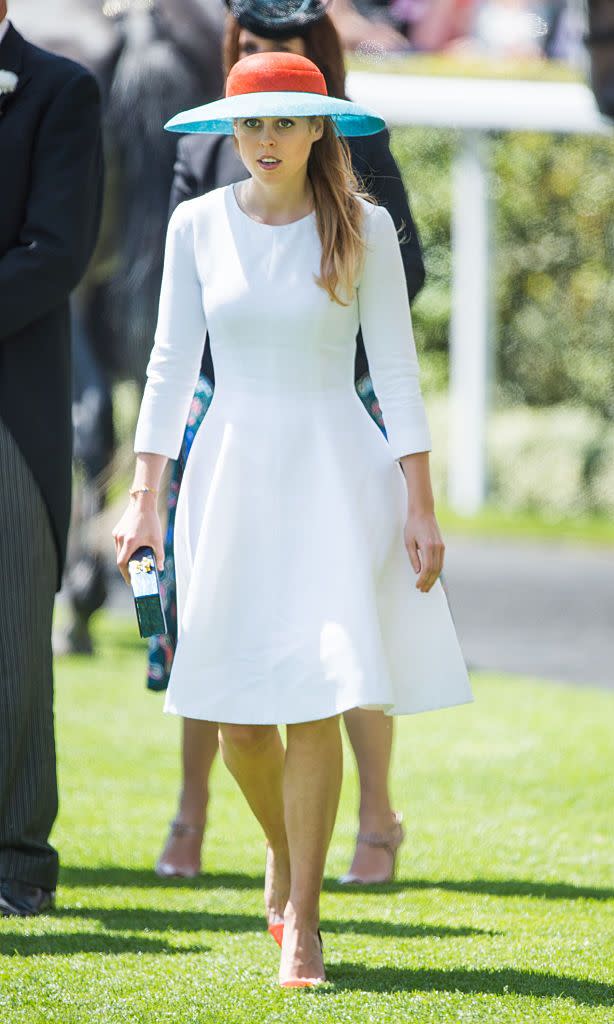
x=275 y=84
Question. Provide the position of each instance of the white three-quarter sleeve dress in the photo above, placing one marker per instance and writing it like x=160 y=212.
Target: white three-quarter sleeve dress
x=296 y=597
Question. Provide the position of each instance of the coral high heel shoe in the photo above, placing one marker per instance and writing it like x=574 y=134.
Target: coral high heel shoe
x=272 y=901
x=276 y=930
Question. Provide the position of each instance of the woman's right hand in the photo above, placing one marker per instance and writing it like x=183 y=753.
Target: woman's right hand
x=138 y=527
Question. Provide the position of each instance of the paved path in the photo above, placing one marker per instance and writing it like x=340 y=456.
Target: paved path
x=525 y=607
x=541 y=610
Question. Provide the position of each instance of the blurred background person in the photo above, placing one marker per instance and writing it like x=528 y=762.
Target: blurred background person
x=205 y=163
x=51 y=187
x=366 y=27
x=600 y=44
x=565 y=27
x=505 y=29
x=434 y=24
x=508 y=29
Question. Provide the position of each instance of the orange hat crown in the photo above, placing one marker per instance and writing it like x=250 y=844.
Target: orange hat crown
x=275 y=72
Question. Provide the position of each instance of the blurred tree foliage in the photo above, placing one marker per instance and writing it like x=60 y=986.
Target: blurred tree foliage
x=553 y=202
x=425 y=158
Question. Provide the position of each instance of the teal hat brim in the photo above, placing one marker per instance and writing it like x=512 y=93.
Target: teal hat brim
x=217 y=117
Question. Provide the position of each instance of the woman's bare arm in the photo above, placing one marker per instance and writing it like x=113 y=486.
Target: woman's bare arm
x=422 y=537
x=140 y=524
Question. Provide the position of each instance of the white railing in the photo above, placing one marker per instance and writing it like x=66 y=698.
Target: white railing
x=474 y=107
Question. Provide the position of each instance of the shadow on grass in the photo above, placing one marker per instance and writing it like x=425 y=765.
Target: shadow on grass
x=359 y=977
x=143 y=918
x=515 y=887
x=393 y=929
x=144 y=878
x=140 y=919
x=20 y=944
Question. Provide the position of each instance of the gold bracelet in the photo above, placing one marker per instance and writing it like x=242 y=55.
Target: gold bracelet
x=141 y=490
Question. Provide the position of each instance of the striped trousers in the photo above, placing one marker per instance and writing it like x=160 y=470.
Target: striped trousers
x=28 y=574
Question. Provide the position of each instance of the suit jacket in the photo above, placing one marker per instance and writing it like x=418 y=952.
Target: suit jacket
x=50 y=203
x=205 y=162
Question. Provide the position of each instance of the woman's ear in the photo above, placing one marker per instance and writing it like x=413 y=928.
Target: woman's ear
x=317 y=128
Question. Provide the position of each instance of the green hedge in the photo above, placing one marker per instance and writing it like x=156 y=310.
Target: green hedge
x=551 y=431
x=554 y=259
x=557 y=462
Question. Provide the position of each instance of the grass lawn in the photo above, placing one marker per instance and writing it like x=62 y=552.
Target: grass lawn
x=502 y=910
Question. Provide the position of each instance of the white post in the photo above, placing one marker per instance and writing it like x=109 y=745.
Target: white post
x=470 y=325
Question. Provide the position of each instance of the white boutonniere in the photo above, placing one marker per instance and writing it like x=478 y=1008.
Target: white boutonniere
x=8 y=82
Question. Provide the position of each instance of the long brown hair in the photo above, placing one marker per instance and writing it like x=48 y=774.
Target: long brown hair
x=337 y=193
x=339 y=214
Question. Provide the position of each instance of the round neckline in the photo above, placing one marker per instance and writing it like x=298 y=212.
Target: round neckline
x=263 y=224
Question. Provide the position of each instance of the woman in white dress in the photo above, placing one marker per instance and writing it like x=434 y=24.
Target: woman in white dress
x=289 y=478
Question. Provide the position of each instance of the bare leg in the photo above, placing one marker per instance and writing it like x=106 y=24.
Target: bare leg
x=295 y=800
x=254 y=755
x=371 y=734
x=312 y=783
x=181 y=854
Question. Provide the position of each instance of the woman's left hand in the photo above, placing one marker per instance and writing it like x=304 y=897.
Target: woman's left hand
x=425 y=548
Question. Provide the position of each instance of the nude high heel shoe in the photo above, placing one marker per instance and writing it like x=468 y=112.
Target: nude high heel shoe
x=165 y=868
x=390 y=840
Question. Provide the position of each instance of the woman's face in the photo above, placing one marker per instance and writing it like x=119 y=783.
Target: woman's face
x=250 y=43
x=275 y=150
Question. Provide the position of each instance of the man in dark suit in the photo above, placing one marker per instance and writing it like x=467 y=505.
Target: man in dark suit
x=51 y=195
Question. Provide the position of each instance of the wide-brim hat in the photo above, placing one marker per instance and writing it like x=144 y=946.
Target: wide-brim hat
x=275 y=84
x=277 y=19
